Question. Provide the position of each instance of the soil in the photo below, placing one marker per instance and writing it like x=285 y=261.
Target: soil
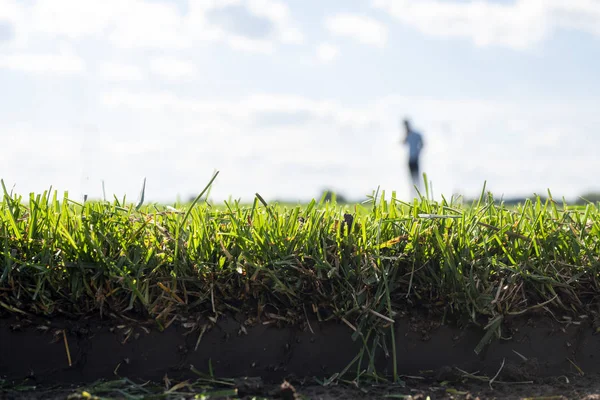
x=586 y=388
x=535 y=357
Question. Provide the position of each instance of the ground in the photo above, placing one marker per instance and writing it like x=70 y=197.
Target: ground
x=536 y=357
x=582 y=387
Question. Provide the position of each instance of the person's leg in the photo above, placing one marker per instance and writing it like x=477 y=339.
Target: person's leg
x=417 y=175
x=413 y=166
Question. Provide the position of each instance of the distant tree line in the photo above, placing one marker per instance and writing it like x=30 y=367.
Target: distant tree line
x=330 y=195
x=586 y=198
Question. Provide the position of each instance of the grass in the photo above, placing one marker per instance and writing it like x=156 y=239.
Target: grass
x=124 y=388
x=360 y=264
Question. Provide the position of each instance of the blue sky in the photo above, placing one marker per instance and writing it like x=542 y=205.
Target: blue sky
x=286 y=98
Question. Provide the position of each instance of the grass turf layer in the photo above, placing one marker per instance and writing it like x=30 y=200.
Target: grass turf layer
x=360 y=264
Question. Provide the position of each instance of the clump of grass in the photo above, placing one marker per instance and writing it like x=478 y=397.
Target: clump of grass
x=124 y=388
x=357 y=264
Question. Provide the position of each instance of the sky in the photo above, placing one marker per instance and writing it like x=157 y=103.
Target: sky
x=288 y=97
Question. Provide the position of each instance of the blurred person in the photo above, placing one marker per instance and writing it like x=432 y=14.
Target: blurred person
x=414 y=141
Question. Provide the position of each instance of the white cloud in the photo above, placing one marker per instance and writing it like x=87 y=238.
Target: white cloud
x=40 y=63
x=327 y=52
x=518 y=24
x=249 y=45
x=133 y=23
x=54 y=156
x=275 y=12
x=278 y=13
x=361 y=28
x=73 y=18
x=157 y=25
x=10 y=11
x=173 y=68
x=144 y=23
x=113 y=71
x=243 y=109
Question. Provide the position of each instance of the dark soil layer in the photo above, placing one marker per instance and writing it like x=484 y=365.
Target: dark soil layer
x=534 y=350
x=412 y=388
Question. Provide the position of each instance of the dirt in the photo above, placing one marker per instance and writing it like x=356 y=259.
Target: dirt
x=535 y=357
x=412 y=388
